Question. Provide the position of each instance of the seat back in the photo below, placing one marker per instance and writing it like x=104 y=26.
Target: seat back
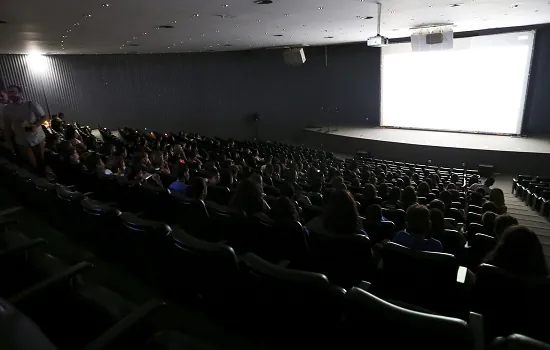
x=191 y=215
x=345 y=259
x=397 y=216
x=229 y=225
x=452 y=241
x=298 y=297
x=379 y=231
x=423 y=278
x=518 y=342
x=400 y=328
x=209 y=270
x=480 y=246
x=511 y=304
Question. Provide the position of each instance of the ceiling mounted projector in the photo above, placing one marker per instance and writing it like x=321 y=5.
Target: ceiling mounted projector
x=378 y=40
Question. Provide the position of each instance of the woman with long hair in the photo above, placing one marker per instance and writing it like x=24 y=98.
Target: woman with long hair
x=340 y=216
x=519 y=252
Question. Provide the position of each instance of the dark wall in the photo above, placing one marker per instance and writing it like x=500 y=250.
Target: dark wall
x=209 y=92
x=537 y=107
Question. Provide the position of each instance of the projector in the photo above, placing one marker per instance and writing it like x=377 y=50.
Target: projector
x=378 y=41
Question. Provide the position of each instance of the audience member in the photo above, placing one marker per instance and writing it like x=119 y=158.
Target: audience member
x=408 y=198
x=488 y=221
x=284 y=209
x=182 y=176
x=485 y=187
x=497 y=196
x=374 y=213
x=248 y=198
x=418 y=227
x=502 y=222
x=519 y=252
x=197 y=188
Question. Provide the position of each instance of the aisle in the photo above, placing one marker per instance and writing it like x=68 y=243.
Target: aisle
x=525 y=215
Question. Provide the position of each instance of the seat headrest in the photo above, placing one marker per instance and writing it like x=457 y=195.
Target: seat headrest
x=268 y=270
x=18 y=332
x=136 y=223
x=397 y=248
x=97 y=207
x=186 y=241
x=518 y=342
x=64 y=193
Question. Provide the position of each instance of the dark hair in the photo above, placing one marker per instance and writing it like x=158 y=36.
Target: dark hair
x=284 y=209
x=18 y=88
x=490 y=181
x=437 y=220
x=489 y=206
x=423 y=189
x=383 y=189
x=502 y=222
x=395 y=194
x=248 y=198
x=181 y=171
x=418 y=219
x=497 y=196
x=488 y=220
x=519 y=252
x=287 y=190
x=341 y=215
x=369 y=192
x=197 y=188
x=92 y=161
x=408 y=197
x=70 y=132
x=226 y=178
x=437 y=204
x=373 y=213
x=446 y=198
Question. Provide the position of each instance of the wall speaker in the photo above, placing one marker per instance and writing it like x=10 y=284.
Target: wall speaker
x=294 y=57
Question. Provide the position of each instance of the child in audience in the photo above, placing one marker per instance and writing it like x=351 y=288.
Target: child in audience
x=418 y=227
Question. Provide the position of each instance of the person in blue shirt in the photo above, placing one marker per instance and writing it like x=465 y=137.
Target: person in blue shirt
x=182 y=176
x=418 y=226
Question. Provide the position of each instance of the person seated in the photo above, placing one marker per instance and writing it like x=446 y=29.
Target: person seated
x=73 y=137
x=370 y=196
x=118 y=166
x=373 y=213
x=94 y=164
x=485 y=187
x=408 y=198
x=393 y=198
x=340 y=216
x=489 y=206
x=284 y=209
x=497 y=196
x=488 y=221
x=249 y=198
x=315 y=195
x=213 y=176
x=502 y=222
x=197 y=188
x=445 y=197
x=423 y=189
x=476 y=198
x=226 y=178
x=418 y=227
x=182 y=176
x=437 y=223
x=439 y=205
x=383 y=191
x=520 y=253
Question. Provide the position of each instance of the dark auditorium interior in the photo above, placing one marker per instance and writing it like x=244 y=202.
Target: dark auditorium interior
x=274 y=174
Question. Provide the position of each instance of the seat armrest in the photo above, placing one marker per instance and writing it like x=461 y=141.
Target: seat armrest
x=364 y=285
x=476 y=325
x=106 y=340
x=22 y=247
x=50 y=283
x=461 y=274
x=283 y=263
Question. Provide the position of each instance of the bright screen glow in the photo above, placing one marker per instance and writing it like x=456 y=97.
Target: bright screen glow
x=478 y=86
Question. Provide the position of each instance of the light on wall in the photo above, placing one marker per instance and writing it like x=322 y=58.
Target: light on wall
x=37 y=62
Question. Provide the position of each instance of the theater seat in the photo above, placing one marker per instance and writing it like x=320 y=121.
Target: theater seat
x=480 y=246
x=373 y=320
x=518 y=342
x=296 y=303
x=18 y=332
x=511 y=304
x=397 y=216
x=425 y=279
x=453 y=242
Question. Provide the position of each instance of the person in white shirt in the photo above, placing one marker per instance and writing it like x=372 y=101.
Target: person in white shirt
x=486 y=186
x=23 y=119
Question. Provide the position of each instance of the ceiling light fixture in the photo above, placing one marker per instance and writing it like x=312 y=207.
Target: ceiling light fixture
x=87 y=15
x=320 y=8
x=195 y=15
x=105 y=5
x=225 y=5
x=515 y=6
x=364 y=17
x=263 y=2
x=456 y=5
x=165 y=26
x=286 y=15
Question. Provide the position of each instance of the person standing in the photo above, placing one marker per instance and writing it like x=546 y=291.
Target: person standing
x=23 y=119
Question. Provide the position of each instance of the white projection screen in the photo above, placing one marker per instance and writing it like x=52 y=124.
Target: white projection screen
x=478 y=86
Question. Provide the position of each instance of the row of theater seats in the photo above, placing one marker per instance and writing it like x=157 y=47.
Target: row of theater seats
x=48 y=304
x=534 y=191
x=262 y=293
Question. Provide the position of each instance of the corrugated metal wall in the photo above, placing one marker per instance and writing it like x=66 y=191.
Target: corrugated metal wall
x=209 y=93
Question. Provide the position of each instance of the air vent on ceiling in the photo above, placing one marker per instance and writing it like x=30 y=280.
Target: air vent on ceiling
x=365 y=17
x=263 y=2
x=165 y=26
x=329 y=37
x=227 y=45
x=133 y=44
x=278 y=35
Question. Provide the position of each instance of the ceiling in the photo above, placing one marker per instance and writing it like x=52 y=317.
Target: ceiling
x=131 y=26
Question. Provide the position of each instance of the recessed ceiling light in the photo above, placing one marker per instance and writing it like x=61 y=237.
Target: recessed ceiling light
x=69 y=30
x=258 y=21
x=105 y=5
x=225 y=5
x=217 y=30
x=320 y=8
x=76 y=24
x=87 y=15
x=195 y=15
x=286 y=15
x=144 y=33
x=456 y=5
x=265 y=33
x=202 y=34
x=263 y=2
x=174 y=22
